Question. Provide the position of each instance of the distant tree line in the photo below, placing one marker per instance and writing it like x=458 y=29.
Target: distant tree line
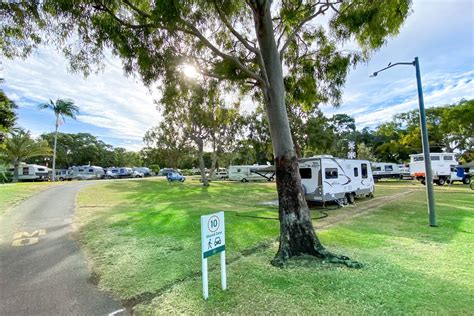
x=83 y=149
x=450 y=128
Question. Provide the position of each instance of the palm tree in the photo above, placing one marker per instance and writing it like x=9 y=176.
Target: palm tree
x=62 y=109
x=20 y=146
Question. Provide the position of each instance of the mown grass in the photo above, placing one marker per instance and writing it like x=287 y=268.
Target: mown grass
x=143 y=241
x=13 y=193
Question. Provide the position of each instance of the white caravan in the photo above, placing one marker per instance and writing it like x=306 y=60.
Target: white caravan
x=247 y=173
x=405 y=171
x=325 y=178
x=441 y=166
x=146 y=171
x=32 y=172
x=385 y=170
x=87 y=172
x=122 y=172
x=64 y=174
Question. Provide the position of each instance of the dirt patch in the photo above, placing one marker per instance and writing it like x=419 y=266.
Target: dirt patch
x=359 y=209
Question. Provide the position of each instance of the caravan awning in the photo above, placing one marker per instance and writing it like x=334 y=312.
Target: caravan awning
x=265 y=172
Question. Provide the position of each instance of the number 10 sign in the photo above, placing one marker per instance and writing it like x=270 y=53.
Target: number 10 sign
x=212 y=242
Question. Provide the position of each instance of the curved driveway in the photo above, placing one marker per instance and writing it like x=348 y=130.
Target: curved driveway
x=42 y=269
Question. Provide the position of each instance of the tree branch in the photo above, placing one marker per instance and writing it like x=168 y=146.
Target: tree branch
x=136 y=9
x=322 y=9
x=239 y=36
x=105 y=9
x=195 y=32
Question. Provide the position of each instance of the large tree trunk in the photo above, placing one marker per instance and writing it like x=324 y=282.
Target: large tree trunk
x=202 y=167
x=16 y=166
x=297 y=234
x=213 y=161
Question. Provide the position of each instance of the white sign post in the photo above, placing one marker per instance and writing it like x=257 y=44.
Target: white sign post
x=212 y=242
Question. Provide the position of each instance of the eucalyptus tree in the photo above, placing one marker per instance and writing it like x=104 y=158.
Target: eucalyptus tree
x=248 y=43
x=195 y=111
x=20 y=146
x=61 y=109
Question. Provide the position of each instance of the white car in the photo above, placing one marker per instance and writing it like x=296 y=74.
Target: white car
x=137 y=174
x=111 y=175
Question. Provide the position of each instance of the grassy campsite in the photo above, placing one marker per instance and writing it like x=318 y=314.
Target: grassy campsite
x=142 y=239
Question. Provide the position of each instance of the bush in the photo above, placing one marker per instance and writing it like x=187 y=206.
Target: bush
x=154 y=168
x=5 y=175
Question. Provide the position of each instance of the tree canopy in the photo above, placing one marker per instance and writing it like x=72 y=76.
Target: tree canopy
x=250 y=45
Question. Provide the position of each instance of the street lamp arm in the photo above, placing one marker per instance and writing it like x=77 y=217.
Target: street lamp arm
x=412 y=63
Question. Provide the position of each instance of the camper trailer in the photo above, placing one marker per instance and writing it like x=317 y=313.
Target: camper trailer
x=441 y=166
x=246 y=173
x=405 y=172
x=325 y=178
x=32 y=172
x=385 y=170
x=87 y=172
x=146 y=171
x=122 y=172
x=64 y=174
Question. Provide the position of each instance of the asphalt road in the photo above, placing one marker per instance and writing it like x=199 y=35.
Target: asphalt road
x=42 y=269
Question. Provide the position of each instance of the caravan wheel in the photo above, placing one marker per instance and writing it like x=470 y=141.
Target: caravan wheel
x=350 y=198
x=466 y=180
x=441 y=181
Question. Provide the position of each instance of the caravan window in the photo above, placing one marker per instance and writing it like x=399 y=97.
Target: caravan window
x=305 y=173
x=238 y=170
x=363 y=167
x=91 y=170
x=41 y=169
x=448 y=158
x=356 y=172
x=435 y=158
x=80 y=170
x=389 y=168
x=25 y=170
x=331 y=173
x=418 y=158
x=376 y=168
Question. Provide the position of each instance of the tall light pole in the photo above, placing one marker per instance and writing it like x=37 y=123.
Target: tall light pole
x=424 y=139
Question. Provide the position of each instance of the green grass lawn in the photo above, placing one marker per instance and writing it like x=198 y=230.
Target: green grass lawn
x=13 y=193
x=142 y=238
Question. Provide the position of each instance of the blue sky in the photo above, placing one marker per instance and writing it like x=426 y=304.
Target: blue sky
x=119 y=110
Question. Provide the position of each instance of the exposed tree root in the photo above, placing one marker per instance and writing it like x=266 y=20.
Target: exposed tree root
x=321 y=253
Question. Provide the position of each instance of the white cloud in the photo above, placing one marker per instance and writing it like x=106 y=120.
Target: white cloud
x=109 y=100
x=439 y=89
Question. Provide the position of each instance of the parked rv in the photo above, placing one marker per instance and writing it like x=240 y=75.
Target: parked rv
x=137 y=174
x=121 y=172
x=325 y=178
x=247 y=173
x=405 y=172
x=385 y=170
x=32 y=172
x=146 y=171
x=87 y=172
x=64 y=174
x=221 y=175
x=443 y=167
